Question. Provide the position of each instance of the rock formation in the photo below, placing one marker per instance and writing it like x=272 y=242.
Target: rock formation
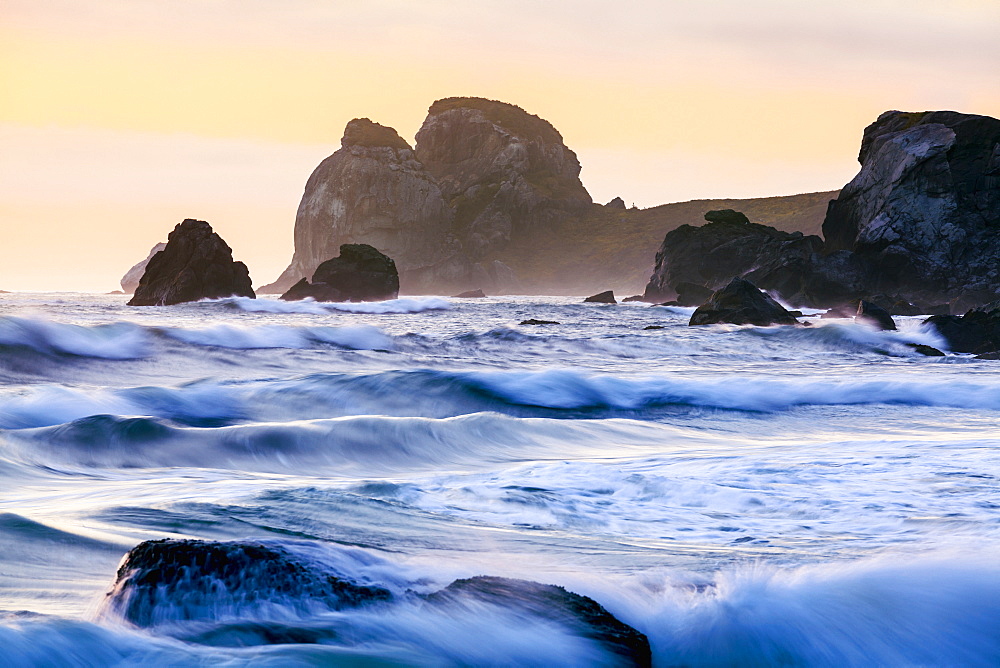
x=359 y=274
x=978 y=331
x=606 y=297
x=130 y=281
x=741 y=303
x=923 y=214
x=616 y=203
x=875 y=315
x=481 y=172
x=195 y=264
x=470 y=294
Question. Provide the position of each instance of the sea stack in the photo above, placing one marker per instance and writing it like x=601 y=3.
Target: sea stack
x=195 y=264
x=359 y=274
x=130 y=281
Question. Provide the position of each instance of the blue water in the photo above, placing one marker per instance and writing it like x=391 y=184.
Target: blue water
x=801 y=496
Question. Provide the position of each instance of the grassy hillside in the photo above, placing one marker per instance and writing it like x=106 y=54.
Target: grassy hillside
x=615 y=248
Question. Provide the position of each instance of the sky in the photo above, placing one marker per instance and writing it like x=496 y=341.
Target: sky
x=119 y=118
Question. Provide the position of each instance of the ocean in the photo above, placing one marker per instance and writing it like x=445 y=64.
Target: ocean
x=743 y=496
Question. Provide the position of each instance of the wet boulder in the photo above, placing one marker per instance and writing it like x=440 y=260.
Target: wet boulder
x=195 y=264
x=606 y=297
x=162 y=581
x=359 y=274
x=978 y=331
x=552 y=604
x=741 y=303
x=533 y=321
x=875 y=315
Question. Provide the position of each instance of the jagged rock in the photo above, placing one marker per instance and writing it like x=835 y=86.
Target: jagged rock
x=552 y=604
x=873 y=314
x=130 y=281
x=711 y=254
x=162 y=581
x=195 y=264
x=359 y=274
x=978 y=331
x=634 y=298
x=532 y=321
x=606 y=297
x=727 y=216
x=470 y=294
x=692 y=294
x=741 y=303
x=616 y=203
x=923 y=214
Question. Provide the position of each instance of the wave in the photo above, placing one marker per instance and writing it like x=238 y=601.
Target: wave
x=355 y=337
x=308 y=305
x=116 y=341
x=431 y=393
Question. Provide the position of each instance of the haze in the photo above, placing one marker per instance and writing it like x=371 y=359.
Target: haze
x=120 y=119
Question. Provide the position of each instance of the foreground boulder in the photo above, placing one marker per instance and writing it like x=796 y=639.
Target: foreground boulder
x=978 y=331
x=554 y=604
x=176 y=580
x=606 y=297
x=195 y=264
x=130 y=281
x=359 y=274
x=741 y=303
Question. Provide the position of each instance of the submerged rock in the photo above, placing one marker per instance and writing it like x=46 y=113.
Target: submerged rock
x=359 y=274
x=195 y=264
x=741 y=303
x=470 y=294
x=606 y=297
x=552 y=604
x=532 y=321
x=162 y=581
x=923 y=349
x=873 y=314
x=130 y=281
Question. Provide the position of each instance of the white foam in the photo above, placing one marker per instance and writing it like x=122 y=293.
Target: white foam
x=118 y=341
x=310 y=306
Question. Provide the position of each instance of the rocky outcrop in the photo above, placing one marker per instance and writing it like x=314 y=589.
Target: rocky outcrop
x=470 y=294
x=616 y=203
x=359 y=274
x=978 y=331
x=195 y=264
x=555 y=605
x=130 y=281
x=923 y=214
x=875 y=315
x=710 y=255
x=741 y=303
x=374 y=191
x=727 y=216
x=606 y=297
x=481 y=172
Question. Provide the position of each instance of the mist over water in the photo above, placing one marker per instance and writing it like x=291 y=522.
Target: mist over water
x=807 y=496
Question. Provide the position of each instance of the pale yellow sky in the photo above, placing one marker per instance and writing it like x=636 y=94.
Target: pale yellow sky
x=118 y=119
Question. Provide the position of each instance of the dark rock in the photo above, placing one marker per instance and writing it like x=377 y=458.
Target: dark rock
x=606 y=297
x=359 y=274
x=654 y=327
x=616 y=203
x=162 y=581
x=844 y=311
x=130 y=281
x=532 y=321
x=727 y=216
x=874 y=315
x=929 y=351
x=741 y=303
x=692 y=294
x=978 y=331
x=923 y=214
x=670 y=303
x=551 y=604
x=195 y=264
x=470 y=294
x=795 y=314
x=988 y=356
x=634 y=298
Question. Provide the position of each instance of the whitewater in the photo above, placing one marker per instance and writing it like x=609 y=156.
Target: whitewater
x=819 y=495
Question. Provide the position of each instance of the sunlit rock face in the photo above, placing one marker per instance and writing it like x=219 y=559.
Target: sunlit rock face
x=372 y=191
x=130 y=281
x=481 y=173
x=924 y=211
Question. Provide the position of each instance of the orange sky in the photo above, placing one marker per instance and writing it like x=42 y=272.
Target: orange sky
x=118 y=119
